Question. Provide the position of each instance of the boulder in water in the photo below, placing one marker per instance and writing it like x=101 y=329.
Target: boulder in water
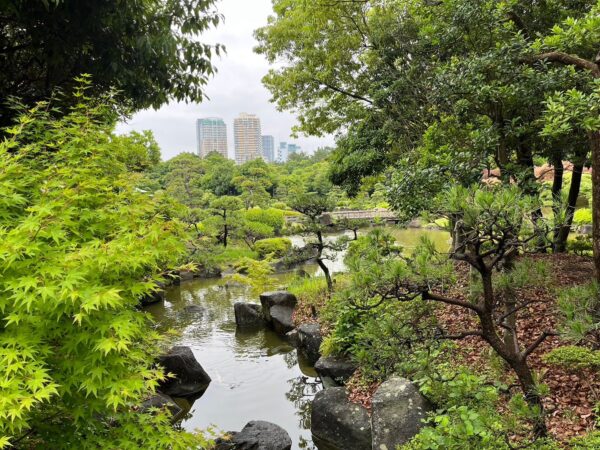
x=153 y=297
x=309 y=341
x=280 y=298
x=336 y=422
x=190 y=378
x=161 y=401
x=338 y=368
x=257 y=435
x=281 y=319
x=248 y=315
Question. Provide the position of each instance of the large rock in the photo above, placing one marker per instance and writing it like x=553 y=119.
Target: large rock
x=248 y=315
x=153 y=297
x=161 y=401
x=281 y=319
x=398 y=413
x=257 y=435
x=190 y=378
x=280 y=298
x=338 y=368
x=309 y=341
x=338 y=423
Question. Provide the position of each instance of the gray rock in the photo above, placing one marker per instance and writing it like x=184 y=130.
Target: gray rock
x=257 y=435
x=293 y=337
x=281 y=319
x=161 y=401
x=190 y=378
x=586 y=229
x=248 y=315
x=280 y=298
x=338 y=423
x=153 y=297
x=338 y=368
x=398 y=413
x=309 y=337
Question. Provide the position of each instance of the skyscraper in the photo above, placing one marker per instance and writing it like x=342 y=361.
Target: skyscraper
x=268 y=148
x=282 y=152
x=292 y=149
x=248 y=142
x=211 y=134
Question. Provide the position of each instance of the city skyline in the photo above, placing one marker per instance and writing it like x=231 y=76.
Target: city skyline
x=235 y=87
x=247 y=138
x=211 y=136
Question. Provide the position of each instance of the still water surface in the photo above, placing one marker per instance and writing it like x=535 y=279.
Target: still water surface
x=255 y=375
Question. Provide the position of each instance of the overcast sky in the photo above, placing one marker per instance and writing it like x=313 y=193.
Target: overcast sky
x=235 y=88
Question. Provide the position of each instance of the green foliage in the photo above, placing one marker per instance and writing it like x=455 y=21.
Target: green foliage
x=274 y=247
x=271 y=217
x=590 y=441
x=79 y=246
x=147 y=50
x=579 y=306
x=311 y=291
x=256 y=274
x=581 y=245
x=467 y=416
x=573 y=357
x=583 y=216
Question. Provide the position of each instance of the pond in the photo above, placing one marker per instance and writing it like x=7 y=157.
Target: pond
x=255 y=375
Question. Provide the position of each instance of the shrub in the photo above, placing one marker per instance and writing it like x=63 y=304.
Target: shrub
x=579 y=306
x=79 y=246
x=277 y=247
x=583 y=216
x=582 y=245
x=573 y=357
x=274 y=218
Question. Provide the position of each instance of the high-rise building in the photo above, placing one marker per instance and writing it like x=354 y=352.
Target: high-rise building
x=268 y=148
x=248 y=142
x=293 y=148
x=282 y=152
x=211 y=134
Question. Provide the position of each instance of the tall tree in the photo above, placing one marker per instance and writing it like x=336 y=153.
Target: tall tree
x=148 y=50
x=575 y=42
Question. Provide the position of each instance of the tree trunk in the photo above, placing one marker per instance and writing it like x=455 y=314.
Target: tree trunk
x=225 y=229
x=510 y=353
x=557 y=186
x=321 y=263
x=530 y=390
x=510 y=305
x=595 y=147
x=562 y=233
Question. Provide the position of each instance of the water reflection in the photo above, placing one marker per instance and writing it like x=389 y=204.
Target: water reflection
x=256 y=375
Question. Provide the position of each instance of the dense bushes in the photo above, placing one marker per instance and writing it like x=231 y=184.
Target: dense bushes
x=79 y=246
x=277 y=247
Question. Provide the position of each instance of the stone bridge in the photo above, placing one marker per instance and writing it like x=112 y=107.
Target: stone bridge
x=368 y=215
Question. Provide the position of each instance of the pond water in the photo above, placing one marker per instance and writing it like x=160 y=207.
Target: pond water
x=255 y=375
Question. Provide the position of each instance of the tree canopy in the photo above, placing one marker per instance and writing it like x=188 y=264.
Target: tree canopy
x=147 y=50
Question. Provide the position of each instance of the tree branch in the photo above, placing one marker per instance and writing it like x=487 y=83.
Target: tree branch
x=568 y=60
x=344 y=92
x=451 y=301
x=535 y=344
x=462 y=335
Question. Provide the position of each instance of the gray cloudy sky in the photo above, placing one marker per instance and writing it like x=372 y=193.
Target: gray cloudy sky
x=235 y=88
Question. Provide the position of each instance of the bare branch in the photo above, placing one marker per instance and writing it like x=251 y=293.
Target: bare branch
x=461 y=335
x=451 y=301
x=535 y=344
